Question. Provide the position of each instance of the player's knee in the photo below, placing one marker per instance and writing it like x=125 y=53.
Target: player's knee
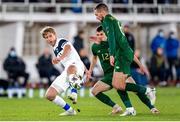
x=115 y=86
x=94 y=91
x=49 y=96
x=71 y=69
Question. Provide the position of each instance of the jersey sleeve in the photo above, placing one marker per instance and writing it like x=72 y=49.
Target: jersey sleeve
x=60 y=47
x=93 y=50
x=110 y=36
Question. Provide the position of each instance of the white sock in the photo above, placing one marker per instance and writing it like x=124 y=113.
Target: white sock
x=41 y=93
x=82 y=92
x=147 y=90
x=60 y=102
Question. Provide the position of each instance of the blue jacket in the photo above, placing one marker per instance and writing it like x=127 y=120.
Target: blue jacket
x=172 y=46
x=157 y=42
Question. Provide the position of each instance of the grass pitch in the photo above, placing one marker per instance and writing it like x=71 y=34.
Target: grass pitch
x=168 y=102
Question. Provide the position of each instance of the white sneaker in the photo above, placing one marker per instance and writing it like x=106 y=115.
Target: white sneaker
x=73 y=97
x=151 y=94
x=155 y=111
x=129 y=112
x=116 y=109
x=68 y=113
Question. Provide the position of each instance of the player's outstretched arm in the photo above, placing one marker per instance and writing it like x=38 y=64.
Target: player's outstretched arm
x=67 y=49
x=110 y=36
x=143 y=69
x=93 y=63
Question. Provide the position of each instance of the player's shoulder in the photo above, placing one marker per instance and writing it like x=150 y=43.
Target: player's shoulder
x=109 y=17
x=62 y=42
x=95 y=47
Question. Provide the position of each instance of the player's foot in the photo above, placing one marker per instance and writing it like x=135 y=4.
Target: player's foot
x=116 y=109
x=155 y=111
x=73 y=97
x=68 y=113
x=151 y=93
x=129 y=112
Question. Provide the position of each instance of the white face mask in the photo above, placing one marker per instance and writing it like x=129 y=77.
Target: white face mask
x=161 y=34
x=172 y=36
x=13 y=53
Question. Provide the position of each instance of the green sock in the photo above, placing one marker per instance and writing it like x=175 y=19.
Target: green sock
x=125 y=98
x=105 y=99
x=135 y=88
x=145 y=100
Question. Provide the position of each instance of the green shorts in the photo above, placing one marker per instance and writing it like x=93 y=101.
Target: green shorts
x=123 y=63
x=108 y=78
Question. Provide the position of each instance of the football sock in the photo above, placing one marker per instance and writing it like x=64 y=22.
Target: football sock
x=145 y=100
x=105 y=99
x=135 y=88
x=125 y=98
x=60 y=102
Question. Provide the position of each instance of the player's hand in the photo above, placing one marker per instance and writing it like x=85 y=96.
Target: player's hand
x=88 y=75
x=94 y=39
x=112 y=60
x=144 y=70
x=55 y=60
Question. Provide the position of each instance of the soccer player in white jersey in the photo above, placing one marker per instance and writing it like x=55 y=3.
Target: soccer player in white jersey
x=74 y=68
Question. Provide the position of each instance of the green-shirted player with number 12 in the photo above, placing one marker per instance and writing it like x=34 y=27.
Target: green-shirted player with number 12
x=100 y=50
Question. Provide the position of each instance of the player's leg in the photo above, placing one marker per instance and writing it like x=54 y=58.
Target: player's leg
x=98 y=90
x=126 y=101
x=143 y=97
x=121 y=73
x=75 y=70
x=57 y=87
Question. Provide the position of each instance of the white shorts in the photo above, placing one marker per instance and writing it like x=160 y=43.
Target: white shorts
x=61 y=83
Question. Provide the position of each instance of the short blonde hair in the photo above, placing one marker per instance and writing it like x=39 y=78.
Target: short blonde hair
x=47 y=29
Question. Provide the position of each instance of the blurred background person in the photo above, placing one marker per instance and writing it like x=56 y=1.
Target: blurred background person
x=172 y=46
x=158 y=41
x=157 y=68
x=80 y=48
x=15 y=68
x=129 y=36
x=178 y=72
x=136 y=73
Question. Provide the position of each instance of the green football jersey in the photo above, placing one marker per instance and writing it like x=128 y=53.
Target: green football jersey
x=101 y=50
x=116 y=37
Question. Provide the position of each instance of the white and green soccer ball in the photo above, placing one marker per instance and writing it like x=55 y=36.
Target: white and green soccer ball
x=75 y=81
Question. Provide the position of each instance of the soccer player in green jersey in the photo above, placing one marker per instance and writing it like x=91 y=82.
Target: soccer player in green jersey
x=100 y=50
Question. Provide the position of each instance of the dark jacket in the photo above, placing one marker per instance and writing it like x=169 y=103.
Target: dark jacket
x=14 y=64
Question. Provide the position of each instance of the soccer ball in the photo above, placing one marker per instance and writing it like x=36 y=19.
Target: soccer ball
x=75 y=81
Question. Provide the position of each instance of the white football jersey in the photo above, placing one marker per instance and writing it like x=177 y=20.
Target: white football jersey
x=71 y=58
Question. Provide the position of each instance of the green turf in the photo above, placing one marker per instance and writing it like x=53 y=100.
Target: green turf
x=168 y=102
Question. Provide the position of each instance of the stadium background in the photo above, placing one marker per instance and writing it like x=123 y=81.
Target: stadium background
x=22 y=20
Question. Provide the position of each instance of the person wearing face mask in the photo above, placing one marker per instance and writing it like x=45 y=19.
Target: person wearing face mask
x=15 y=68
x=158 y=41
x=172 y=52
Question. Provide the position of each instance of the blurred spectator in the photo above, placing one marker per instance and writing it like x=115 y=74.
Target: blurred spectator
x=4 y=84
x=157 y=67
x=143 y=1
x=79 y=46
x=158 y=41
x=140 y=78
x=129 y=36
x=178 y=72
x=167 y=1
x=76 y=9
x=15 y=68
x=172 y=46
x=45 y=67
x=121 y=1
